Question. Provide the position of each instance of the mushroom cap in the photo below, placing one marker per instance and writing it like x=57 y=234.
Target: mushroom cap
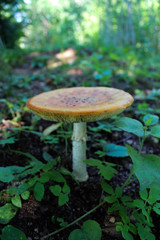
x=80 y=104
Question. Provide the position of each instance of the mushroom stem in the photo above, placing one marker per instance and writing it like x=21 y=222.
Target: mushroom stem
x=79 y=139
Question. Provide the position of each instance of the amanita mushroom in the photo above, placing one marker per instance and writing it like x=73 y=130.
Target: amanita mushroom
x=80 y=105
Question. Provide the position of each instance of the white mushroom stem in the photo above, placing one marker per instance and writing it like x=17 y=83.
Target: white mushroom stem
x=79 y=139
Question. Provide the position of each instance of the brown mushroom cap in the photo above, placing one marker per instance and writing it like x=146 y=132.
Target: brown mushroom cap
x=80 y=104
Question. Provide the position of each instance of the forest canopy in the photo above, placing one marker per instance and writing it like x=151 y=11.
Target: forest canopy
x=54 y=24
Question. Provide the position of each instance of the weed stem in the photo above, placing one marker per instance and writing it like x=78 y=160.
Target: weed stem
x=75 y=221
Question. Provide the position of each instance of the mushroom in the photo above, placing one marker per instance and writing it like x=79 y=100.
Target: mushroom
x=79 y=105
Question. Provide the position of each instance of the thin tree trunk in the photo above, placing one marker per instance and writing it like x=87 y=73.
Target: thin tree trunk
x=130 y=34
x=108 y=25
x=121 y=25
x=1 y=44
x=139 y=14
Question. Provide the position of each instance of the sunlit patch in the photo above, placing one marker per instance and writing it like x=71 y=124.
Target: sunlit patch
x=74 y=71
x=68 y=56
x=52 y=64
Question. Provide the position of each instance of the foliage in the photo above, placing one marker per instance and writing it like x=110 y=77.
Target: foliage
x=59 y=23
x=146 y=169
x=7 y=212
x=11 y=233
x=43 y=174
x=33 y=178
x=90 y=230
x=36 y=184
x=10 y=29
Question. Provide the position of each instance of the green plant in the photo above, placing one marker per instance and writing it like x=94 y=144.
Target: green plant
x=10 y=30
x=39 y=61
x=135 y=214
x=90 y=230
x=11 y=233
x=32 y=179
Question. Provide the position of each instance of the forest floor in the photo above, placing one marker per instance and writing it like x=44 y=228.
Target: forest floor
x=34 y=218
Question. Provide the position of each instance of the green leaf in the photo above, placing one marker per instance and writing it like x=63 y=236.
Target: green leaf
x=55 y=176
x=64 y=171
x=157 y=205
x=62 y=222
x=53 y=219
x=63 y=199
x=146 y=212
x=43 y=179
x=118 y=191
x=77 y=234
x=34 y=132
x=139 y=203
x=11 y=233
x=93 y=162
x=107 y=188
x=110 y=199
x=130 y=125
x=146 y=168
x=144 y=194
x=18 y=169
x=66 y=188
x=38 y=191
x=25 y=195
x=32 y=181
x=16 y=201
x=119 y=226
x=101 y=153
x=148 y=122
x=150 y=119
x=107 y=171
x=115 y=207
x=48 y=166
x=154 y=195
x=114 y=150
x=105 y=168
x=155 y=131
x=18 y=190
x=7 y=141
x=6 y=174
x=34 y=169
x=124 y=215
x=7 y=212
x=139 y=217
x=92 y=229
x=126 y=235
x=145 y=233
x=48 y=158
x=126 y=199
x=56 y=190
x=157 y=210
x=133 y=228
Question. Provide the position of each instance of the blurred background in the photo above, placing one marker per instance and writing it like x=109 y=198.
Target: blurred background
x=48 y=24
x=79 y=42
